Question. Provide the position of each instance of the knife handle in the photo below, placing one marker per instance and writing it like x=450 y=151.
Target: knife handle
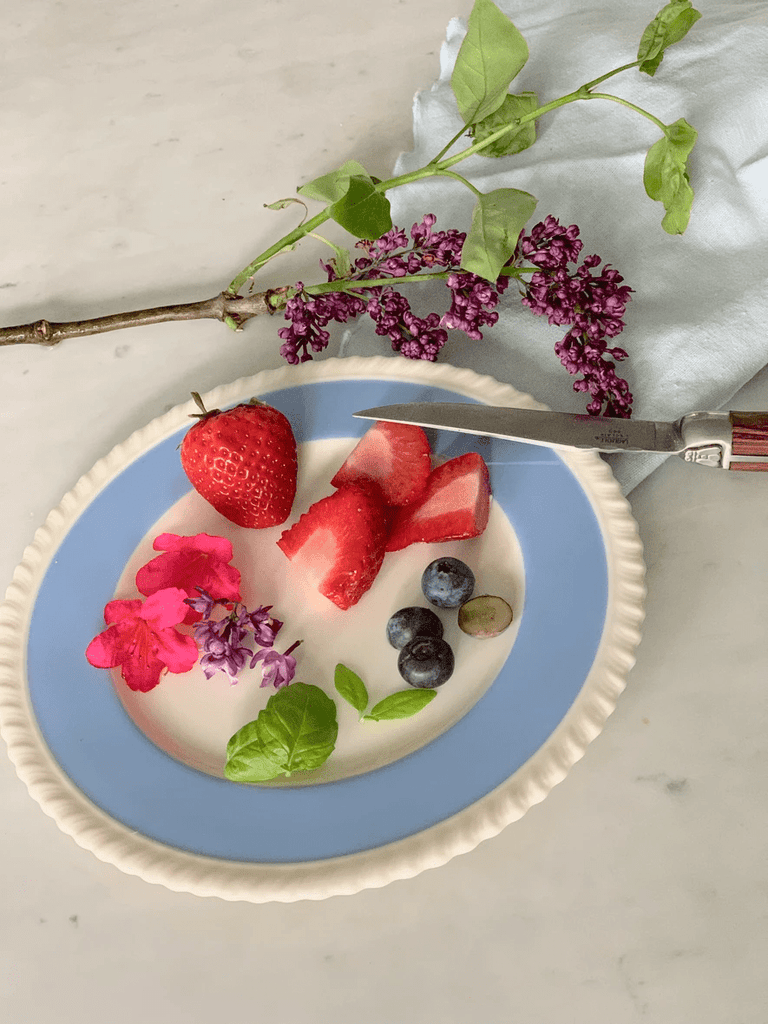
x=749 y=437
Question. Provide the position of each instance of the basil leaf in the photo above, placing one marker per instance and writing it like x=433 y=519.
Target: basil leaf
x=245 y=759
x=665 y=175
x=351 y=687
x=492 y=53
x=668 y=27
x=497 y=220
x=516 y=140
x=363 y=211
x=329 y=188
x=296 y=731
x=402 y=704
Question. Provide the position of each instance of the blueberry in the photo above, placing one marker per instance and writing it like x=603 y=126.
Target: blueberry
x=447 y=582
x=485 y=616
x=427 y=661
x=409 y=623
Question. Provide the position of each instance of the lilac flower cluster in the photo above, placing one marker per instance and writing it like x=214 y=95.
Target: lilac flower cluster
x=473 y=303
x=393 y=255
x=223 y=641
x=592 y=304
x=308 y=315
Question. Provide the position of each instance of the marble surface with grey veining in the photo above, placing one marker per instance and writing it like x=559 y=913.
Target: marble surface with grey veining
x=140 y=142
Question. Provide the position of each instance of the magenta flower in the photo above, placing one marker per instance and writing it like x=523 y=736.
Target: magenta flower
x=192 y=564
x=141 y=639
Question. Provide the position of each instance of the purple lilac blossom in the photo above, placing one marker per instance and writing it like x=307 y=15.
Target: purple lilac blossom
x=221 y=644
x=473 y=303
x=388 y=256
x=223 y=641
x=592 y=304
x=308 y=315
x=264 y=627
x=278 y=669
x=202 y=604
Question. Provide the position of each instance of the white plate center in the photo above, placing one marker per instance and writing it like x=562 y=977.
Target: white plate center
x=191 y=718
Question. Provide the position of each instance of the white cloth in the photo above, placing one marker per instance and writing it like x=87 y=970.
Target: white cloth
x=696 y=326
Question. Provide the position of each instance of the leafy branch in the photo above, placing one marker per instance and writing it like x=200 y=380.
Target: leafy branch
x=500 y=124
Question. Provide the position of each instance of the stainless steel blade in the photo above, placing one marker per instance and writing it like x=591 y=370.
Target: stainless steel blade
x=554 y=429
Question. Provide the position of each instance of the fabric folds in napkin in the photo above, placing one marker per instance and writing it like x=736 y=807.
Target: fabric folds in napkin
x=696 y=326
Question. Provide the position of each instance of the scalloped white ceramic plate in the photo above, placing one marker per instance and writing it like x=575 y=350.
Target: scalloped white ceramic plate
x=137 y=778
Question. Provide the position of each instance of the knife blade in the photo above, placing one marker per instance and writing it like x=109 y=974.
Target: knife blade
x=735 y=440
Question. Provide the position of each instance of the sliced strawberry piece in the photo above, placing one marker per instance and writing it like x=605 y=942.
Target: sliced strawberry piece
x=395 y=457
x=455 y=505
x=338 y=544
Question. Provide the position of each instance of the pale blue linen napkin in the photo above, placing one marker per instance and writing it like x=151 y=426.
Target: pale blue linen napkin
x=696 y=326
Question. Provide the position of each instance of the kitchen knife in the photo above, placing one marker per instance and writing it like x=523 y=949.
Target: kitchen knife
x=725 y=440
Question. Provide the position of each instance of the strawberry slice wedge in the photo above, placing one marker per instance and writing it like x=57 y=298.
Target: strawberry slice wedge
x=395 y=457
x=338 y=544
x=455 y=505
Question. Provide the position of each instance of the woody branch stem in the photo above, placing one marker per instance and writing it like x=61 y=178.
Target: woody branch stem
x=234 y=309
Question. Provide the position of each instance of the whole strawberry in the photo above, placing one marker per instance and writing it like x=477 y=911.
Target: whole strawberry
x=243 y=462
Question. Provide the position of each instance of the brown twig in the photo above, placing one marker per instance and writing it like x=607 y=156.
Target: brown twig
x=235 y=309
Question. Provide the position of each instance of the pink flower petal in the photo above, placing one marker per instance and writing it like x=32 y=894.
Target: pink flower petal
x=189 y=563
x=165 y=608
x=121 y=611
x=177 y=651
x=143 y=675
x=220 y=547
x=107 y=650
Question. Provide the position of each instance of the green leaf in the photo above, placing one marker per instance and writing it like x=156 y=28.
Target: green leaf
x=363 y=211
x=351 y=687
x=342 y=262
x=492 y=53
x=282 y=204
x=402 y=704
x=497 y=220
x=246 y=761
x=665 y=175
x=329 y=188
x=296 y=731
x=668 y=27
x=516 y=140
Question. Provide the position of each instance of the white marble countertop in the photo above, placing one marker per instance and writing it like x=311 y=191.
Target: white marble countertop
x=140 y=142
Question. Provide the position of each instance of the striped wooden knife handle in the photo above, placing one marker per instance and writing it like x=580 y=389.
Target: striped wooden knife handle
x=750 y=437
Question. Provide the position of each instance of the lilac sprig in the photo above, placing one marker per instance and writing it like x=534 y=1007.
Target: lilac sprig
x=223 y=642
x=391 y=256
x=592 y=305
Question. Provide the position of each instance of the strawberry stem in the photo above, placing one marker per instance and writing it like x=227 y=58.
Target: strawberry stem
x=203 y=411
